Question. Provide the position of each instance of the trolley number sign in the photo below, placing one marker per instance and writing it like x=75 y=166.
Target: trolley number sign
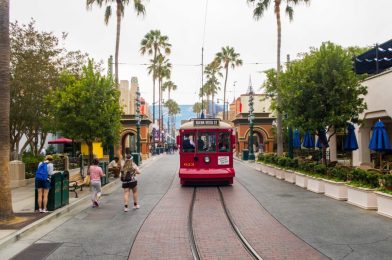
x=223 y=160
x=205 y=122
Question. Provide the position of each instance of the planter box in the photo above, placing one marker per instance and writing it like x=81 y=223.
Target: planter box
x=289 y=176
x=336 y=190
x=301 y=180
x=279 y=173
x=361 y=197
x=270 y=170
x=315 y=184
x=384 y=204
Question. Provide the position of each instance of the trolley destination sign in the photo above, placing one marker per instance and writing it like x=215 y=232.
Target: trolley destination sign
x=206 y=122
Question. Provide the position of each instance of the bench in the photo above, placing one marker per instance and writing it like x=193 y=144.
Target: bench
x=76 y=182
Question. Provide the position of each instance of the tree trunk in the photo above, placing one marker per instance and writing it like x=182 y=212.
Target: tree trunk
x=279 y=131
x=212 y=106
x=159 y=108
x=224 y=92
x=90 y=153
x=118 y=12
x=5 y=194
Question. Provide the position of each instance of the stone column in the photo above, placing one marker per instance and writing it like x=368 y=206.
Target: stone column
x=17 y=174
x=362 y=155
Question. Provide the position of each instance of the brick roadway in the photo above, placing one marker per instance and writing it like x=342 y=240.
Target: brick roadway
x=214 y=236
x=267 y=236
x=164 y=234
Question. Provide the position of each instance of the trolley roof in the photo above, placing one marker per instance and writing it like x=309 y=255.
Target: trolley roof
x=205 y=124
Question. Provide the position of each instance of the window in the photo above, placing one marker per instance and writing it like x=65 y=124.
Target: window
x=206 y=142
x=224 y=142
x=188 y=144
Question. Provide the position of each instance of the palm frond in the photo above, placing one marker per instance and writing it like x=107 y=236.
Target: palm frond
x=290 y=12
x=139 y=7
x=108 y=14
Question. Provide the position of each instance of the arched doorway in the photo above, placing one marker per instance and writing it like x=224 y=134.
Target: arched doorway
x=128 y=143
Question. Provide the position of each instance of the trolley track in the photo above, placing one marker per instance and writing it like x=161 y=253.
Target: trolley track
x=196 y=251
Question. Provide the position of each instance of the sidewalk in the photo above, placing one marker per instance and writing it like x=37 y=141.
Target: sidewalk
x=23 y=202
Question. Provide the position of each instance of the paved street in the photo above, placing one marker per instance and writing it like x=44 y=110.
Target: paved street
x=284 y=216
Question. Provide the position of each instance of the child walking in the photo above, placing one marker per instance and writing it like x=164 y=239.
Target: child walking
x=95 y=182
x=129 y=182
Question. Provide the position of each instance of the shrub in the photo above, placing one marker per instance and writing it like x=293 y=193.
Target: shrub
x=338 y=173
x=282 y=161
x=364 y=178
x=320 y=169
x=386 y=181
x=307 y=166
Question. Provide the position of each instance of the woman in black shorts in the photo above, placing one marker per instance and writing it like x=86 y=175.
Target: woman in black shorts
x=128 y=178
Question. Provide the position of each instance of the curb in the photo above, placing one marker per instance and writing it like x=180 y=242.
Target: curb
x=19 y=234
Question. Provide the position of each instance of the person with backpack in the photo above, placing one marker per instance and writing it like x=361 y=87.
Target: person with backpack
x=129 y=182
x=42 y=182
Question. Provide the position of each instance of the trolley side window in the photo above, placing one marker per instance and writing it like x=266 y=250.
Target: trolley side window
x=188 y=143
x=206 y=142
x=224 y=142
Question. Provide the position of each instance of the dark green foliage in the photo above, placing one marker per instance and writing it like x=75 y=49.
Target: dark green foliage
x=386 y=181
x=338 y=173
x=320 y=169
x=365 y=178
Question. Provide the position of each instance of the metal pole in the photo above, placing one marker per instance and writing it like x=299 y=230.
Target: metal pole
x=138 y=118
x=377 y=59
x=290 y=134
x=251 y=117
x=202 y=82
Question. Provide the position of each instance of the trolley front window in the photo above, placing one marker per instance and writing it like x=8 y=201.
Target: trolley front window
x=188 y=143
x=206 y=142
x=224 y=142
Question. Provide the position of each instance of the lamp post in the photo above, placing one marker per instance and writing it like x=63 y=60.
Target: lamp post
x=138 y=119
x=251 y=119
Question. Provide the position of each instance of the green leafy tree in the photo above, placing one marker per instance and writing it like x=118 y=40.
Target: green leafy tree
x=120 y=11
x=35 y=64
x=169 y=86
x=154 y=44
x=5 y=194
x=261 y=7
x=212 y=73
x=321 y=90
x=196 y=108
x=227 y=57
x=88 y=109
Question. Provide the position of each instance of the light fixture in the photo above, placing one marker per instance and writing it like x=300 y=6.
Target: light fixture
x=206 y=159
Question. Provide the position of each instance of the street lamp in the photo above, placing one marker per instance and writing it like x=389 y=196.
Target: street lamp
x=251 y=119
x=138 y=119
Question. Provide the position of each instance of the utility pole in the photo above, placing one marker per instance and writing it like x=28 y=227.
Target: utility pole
x=202 y=82
x=138 y=119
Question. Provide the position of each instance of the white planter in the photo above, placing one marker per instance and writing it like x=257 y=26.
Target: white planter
x=289 y=176
x=301 y=180
x=384 y=204
x=279 y=173
x=315 y=184
x=336 y=190
x=270 y=170
x=361 y=197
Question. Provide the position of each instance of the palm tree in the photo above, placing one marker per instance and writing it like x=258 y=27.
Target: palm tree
x=120 y=7
x=173 y=109
x=258 y=12
x=227 y=58
x=154 y=43
x=5 y=194
x=197 y=108
x=212 y=72
x=169 y=86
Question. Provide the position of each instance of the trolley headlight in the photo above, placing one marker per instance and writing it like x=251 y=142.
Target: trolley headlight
x=206 y=159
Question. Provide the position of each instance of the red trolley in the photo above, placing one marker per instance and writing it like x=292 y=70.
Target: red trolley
x=206 y=151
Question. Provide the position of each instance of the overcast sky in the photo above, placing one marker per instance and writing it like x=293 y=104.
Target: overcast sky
x=229 y=23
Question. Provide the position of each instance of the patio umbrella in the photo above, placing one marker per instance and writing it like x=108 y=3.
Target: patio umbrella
x=308 y=140
x=61 y=140
x=379 y=141
x=296 y=139
x=350 y=141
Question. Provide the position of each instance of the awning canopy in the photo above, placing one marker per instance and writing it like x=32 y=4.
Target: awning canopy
x=374 y=60
x=61 y=140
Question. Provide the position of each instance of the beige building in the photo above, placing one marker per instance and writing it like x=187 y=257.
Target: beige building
x=379 y=107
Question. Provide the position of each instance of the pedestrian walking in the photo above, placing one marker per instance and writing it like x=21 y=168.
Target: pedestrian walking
x=95 y=173
x=42 y=182
x=129 y=182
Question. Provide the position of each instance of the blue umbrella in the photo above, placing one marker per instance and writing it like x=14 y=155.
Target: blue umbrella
x=308 y=140
x=380 y=140
x=350 y=141
x=296 y=139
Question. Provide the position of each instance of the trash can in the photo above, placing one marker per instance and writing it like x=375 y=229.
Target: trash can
x=157 y=151
x=65 y=188
x=136 y=158
x=104 y=179
x=54 y=196
x=245 y=154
